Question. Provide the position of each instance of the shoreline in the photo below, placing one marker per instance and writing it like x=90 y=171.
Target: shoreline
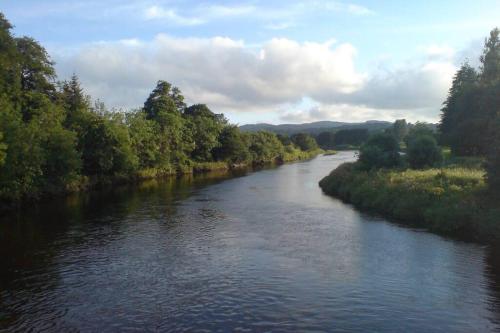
x=447 y=201
x=102 y=183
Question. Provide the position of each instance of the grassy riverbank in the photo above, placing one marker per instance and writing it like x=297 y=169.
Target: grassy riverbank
x=451 y=200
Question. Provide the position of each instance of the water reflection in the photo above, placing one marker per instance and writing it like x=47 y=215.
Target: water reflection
x=267 y=251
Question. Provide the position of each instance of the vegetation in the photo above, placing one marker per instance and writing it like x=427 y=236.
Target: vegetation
x=454 y=191
x=53 y=139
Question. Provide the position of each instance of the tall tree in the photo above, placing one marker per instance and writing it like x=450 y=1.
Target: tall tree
x=459 y=110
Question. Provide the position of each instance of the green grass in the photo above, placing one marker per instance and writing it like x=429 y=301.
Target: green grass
x=451 y=200
x=295 y=154
x=330 y=152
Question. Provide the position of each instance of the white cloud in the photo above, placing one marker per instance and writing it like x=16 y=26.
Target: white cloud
x=231 y=76
x=155 y=12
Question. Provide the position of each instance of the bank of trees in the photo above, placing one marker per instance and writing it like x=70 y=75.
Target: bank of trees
x=53 y=138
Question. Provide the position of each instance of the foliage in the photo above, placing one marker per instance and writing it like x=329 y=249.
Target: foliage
x=449 y=200
x=493 y=162
x=265 y=146
x=355 y=137
x=380 y=151
x=423 y=151
x=52 y=139
x=304 y=141
x=399 y=129
x=326 y=140
x=233 y=146
x=473 y=103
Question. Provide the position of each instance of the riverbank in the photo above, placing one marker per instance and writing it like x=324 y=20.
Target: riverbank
x=451 y=200
x=92 y=183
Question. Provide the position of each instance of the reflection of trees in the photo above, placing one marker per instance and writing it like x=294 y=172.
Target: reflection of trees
x=493 y=275
x=33 y=240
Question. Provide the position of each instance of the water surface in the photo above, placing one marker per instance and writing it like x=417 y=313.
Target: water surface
x=262 y=251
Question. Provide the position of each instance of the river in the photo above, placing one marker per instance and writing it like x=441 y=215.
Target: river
x=253 y=251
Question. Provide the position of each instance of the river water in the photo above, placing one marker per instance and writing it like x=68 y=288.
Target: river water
x=254 y=251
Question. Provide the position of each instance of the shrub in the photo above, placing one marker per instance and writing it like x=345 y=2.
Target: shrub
x=423 y=151
x=380 y=151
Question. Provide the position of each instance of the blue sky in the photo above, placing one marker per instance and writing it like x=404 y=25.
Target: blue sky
x=265 y=61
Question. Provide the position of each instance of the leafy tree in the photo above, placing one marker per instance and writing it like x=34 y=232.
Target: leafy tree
x=380 y=151
x=459 y=113
x=351 y=136
x=37 y=71
x=326 y=140
x=107 y=148
x=285 y=139
x=417 y=130
x=144 y=139
x=490 y=59
x=62 y=162
x=206 y=127
x=22 y=168
x=265 y=146
x=399 y=129
x=163 y=100
x=10 y=80
x=493 y=160
x=232 y=146
x=423 y=151
x=304 y=141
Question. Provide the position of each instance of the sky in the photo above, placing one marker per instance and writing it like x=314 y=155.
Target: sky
x=277 y=61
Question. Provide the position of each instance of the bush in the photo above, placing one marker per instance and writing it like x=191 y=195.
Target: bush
x=380 y=151
x=423 y=151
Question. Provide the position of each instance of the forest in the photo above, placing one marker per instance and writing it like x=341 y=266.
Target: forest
x=447 y=181
x=56 y=139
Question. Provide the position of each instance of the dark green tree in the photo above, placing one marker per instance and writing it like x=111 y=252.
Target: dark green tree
x=265 y=147
x=399 y=129
x=423 y=152
x=233 y=146
x=380 y=151
x=304 y=141
x=206 y=127
x=326 y=140
x=354 y=137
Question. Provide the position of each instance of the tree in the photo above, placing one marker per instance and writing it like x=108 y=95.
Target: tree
x=144 y=139
x=232 y=146
x=399 y=129
x=265 y=146
x=493 y=160
x=206 y=127
x=304 y=141
x=10 y=80
x=163 y=100
x=62 y=162
x=423 y=151
x=490 y=59
x=417 y=130
x=351 y=136
x=326 y=140
x=380 y=151
x=37 y=71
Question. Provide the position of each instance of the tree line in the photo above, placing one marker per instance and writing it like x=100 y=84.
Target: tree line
x=53 y=138
x=469 y=126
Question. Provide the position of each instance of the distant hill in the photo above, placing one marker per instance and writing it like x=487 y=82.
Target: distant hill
x=316 y=127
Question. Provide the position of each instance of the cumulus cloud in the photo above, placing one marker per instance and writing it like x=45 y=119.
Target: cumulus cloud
x=231 y=76
x=219 y=71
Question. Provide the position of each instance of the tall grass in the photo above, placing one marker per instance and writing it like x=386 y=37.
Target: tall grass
x=450 y=200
